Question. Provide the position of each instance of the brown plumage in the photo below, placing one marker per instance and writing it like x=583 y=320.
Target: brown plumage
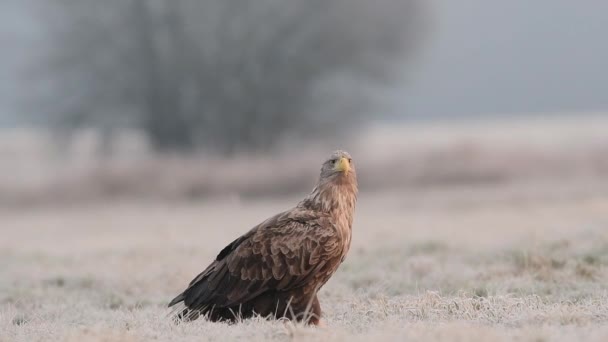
x=276 y=269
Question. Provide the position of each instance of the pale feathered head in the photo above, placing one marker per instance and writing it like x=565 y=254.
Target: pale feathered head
x=337 y=186
x=339 y=165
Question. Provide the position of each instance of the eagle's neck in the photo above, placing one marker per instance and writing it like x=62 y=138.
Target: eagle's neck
x=336 y=196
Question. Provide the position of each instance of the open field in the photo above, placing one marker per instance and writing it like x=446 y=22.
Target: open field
x=454 y=265
x=520 y=257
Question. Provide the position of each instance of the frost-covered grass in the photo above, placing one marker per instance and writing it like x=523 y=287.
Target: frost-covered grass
x=527 y=263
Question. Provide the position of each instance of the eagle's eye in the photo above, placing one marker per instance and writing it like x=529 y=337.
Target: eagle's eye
x=333 y=161
x=350 y=160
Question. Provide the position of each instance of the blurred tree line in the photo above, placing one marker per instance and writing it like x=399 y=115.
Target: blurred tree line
x=222 y=75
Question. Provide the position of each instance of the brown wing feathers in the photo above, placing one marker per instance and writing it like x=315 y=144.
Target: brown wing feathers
x=268 y=258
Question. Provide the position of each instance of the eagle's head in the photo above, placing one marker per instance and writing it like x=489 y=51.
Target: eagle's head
x=339 y=166
x=337 y=186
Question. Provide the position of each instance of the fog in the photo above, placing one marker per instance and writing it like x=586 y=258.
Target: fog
x=511 y=57
x=480 y=58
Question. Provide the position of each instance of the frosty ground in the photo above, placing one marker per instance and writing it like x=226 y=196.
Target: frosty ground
x=453 y=265
x=524 y=258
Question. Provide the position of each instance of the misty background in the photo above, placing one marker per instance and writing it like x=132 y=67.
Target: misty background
x=91 y=91
x=479 y=58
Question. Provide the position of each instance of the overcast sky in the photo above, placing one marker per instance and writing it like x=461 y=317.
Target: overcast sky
x=496 y=57
x=484 y=57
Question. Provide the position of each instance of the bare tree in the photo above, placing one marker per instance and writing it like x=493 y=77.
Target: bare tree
x=224 y=75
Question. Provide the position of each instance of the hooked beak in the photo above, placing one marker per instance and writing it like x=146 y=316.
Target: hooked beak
x=343 y=165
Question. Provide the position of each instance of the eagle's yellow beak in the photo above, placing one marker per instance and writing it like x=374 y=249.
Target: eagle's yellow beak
x=343 y=165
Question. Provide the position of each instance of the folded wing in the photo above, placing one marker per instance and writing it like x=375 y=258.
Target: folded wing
x=290 y=250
